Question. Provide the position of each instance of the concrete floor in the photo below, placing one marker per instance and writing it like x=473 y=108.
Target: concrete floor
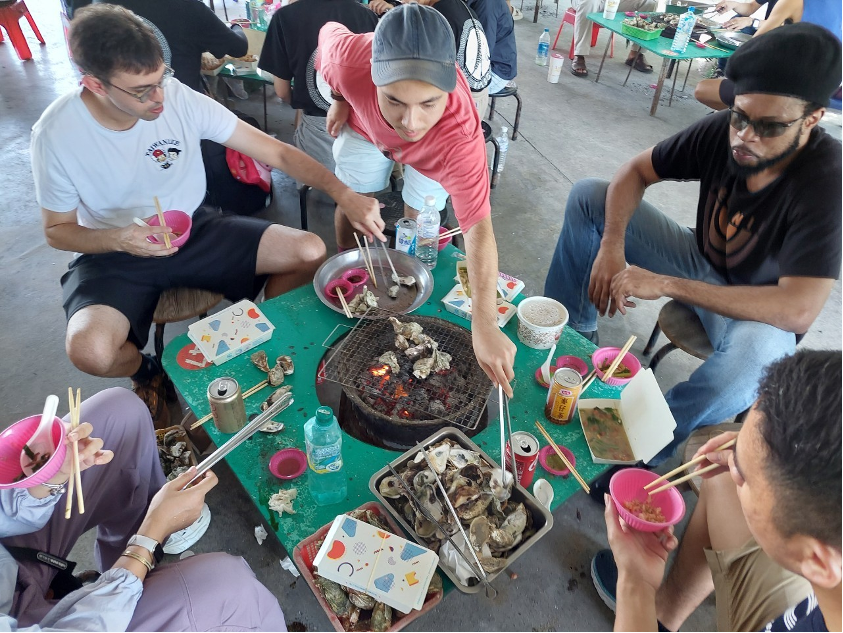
x=570 y=130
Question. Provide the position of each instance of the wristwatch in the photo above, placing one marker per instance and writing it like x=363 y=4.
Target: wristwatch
x=756 y=23
x=149 y=544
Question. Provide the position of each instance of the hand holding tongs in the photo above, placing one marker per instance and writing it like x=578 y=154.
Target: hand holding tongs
x=478 y=569
x=242 y=435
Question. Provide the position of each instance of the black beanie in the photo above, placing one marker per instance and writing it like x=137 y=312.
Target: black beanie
x=795 y=60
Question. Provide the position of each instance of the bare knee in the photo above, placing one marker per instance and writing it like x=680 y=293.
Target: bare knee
x=91 y=351
x=311 y=249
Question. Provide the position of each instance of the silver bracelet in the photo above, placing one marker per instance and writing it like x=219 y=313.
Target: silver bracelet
x=55 y=489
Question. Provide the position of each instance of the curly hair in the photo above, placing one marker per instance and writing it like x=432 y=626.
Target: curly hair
x=106 y=39
x=800 y=422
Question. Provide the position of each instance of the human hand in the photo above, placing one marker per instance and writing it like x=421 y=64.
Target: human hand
x=714 y=456
x=634 y=282
x=173 y=509
x=737 y=23
x=132 y=239
x=90 y=454
x=638 y=555
x=609 y=262
x=495 y=353
x=727 y=5
x=363 y=213
x=379 y=6
x=337 y=116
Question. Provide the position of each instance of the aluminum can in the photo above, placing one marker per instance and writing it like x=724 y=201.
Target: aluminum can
x=526 y=457
x=405 y=236
x=227 y=405
x=562 y=395
x=554 y=68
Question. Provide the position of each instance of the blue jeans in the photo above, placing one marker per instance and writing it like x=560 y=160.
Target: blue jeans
x=727 y=382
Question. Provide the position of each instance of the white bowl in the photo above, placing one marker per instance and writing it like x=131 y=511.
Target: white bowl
x=540 y=322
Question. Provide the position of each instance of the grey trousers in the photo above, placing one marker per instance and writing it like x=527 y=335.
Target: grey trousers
x=189 y=595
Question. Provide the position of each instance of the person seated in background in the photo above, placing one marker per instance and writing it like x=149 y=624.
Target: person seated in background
x=583 y=28
x=765 y=533
x=288 y=54
x=134 y=512
x=131 y=116
x=762 y=259
x=499 y=29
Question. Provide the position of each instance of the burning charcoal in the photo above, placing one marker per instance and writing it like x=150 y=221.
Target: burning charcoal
x=389 y=358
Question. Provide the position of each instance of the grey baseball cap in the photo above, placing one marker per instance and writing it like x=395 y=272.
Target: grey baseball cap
x=413 y=41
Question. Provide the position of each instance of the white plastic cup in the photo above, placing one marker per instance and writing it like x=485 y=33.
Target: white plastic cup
x=611 y=9
x=554 y=68
x=540 y=322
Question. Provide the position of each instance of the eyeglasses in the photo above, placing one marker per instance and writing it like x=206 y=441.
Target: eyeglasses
x=143 y=97
x=764 y=129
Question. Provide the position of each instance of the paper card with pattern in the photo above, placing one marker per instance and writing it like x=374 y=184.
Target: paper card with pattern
x=402 y=574
x=350 y=551
x=231 y=332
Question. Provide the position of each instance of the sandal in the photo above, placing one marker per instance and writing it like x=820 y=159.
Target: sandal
x=641 y=64
x=578 y=69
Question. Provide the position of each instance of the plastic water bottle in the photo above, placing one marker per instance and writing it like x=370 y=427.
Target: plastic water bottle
x=325 y=473
x=427 y=233
x=611 y=9
x=683 y=31
x=544 y=46
x=503 y=143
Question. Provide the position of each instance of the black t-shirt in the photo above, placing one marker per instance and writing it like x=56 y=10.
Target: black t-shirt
x=292 y=37
x=806 y=616
x=191 y=29
x=791 y=228
x=472 y=47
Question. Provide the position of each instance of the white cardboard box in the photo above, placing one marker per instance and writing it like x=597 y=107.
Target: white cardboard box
x=646 y=418
x=231 y=332
x=456 y=302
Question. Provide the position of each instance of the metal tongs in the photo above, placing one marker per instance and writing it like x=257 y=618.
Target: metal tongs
x=475 y=565
x=503 y=404
x=241 y=436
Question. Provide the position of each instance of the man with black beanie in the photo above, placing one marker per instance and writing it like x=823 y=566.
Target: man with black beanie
x=762 y=259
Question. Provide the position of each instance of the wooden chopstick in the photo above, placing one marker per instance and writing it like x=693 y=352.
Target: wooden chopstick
x=366 y=262
x=586 y=383
x=371 y=265
x=687 y=465
x=161 y=221
x=681 y=480
x=564 y=459
x=613 y=367
x=450 y=233
x=71 y=482
x=75 y=476
x=80 y=500
x=344 y=304
x=246 y=394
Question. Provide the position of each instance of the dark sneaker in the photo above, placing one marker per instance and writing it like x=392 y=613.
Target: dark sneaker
x=604 y=574
x=154 y=396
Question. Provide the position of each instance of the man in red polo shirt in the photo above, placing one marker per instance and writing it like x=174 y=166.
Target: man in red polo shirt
x=399 y=97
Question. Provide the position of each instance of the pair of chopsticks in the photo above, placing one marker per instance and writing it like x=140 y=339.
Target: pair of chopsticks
x=246 y=394
x=75 y=479
x=161 y=221
x=367 y=258
x=344 y=303
x=564 y=459
x=679 y=469
x=450 y=233
x=612 y=368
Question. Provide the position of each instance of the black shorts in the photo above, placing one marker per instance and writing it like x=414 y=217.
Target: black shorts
x=220 y=256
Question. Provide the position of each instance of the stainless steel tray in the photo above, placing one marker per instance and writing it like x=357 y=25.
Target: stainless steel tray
x=408 y=298
x=732 y=39
x=542 y=518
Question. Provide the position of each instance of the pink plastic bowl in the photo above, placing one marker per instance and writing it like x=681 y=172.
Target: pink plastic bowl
x=345 y=287
x=547 y=451
x=604 y=357
x=443 y=242
x=628 y=485
x=179 y=221
x=356 y=277
x=288 y=463
x=11 y=445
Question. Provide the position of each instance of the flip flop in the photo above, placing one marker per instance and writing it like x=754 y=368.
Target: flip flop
x=640 y=65
x=578 y=71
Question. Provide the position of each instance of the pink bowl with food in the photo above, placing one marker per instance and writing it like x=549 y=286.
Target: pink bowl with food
x=627 y=487
x=602 y=358
x=179 y=221
x=12 y=441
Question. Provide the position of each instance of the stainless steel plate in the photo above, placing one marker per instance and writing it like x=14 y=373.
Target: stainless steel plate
x=542 y=518
x=408 y=298
x=732 y=39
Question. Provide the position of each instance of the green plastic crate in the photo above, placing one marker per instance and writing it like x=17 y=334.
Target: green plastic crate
x=641 y=34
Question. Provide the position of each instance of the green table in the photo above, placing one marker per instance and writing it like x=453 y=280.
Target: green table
x=228 y=71
x=660 y=47
x=302 y=323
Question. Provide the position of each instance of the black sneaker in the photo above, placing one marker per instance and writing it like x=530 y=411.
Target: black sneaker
x=604 y=574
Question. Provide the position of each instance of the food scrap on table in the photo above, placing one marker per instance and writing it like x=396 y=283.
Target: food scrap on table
x=282 y=501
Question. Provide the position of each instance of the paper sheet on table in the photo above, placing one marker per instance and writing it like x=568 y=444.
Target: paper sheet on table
x=449 y=557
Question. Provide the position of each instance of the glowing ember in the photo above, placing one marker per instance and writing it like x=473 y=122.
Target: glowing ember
x=401 y=392
x=380 y=371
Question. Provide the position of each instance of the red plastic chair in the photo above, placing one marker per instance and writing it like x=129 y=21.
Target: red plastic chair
x=568 y=18
x=10 y=15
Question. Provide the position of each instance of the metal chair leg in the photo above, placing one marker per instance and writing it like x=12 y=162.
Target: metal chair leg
x=664 y=351
x=651 y=343
x=517 y=117
x=303 y=205
x=491 y=108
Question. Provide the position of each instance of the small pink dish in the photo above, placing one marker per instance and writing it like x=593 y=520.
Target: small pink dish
x=547 y=451
x=577 y=364
x=444 y=241
x=179 y=221
x=288 y=463
x=12 y=441
x=628 y=485
x=345 y=287
x=356 y=277
x=604 y=356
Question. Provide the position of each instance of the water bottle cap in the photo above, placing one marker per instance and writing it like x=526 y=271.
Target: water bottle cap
x=690 y=9
x=547 y=30
x=504 y=129
x=324 y=415
x=430 y=201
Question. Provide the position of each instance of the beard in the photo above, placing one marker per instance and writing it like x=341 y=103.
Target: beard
x=745 y=171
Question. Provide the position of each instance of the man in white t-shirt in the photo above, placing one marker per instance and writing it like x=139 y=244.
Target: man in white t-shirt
x=99 y=157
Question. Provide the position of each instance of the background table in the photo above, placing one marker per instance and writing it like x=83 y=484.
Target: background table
x=302 y=323
x=228 y=71
x=661 y=47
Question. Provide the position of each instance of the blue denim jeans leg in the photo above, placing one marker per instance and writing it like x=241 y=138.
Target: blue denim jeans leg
x=726 y=383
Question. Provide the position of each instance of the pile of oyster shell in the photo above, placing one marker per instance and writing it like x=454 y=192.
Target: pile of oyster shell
x=275 y=375
x=361 y=302
x=358 y=611
x=174 y=453
x=424 y=354
x=479 y=493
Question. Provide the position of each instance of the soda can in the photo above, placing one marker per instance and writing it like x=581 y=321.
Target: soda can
x=526 y=457
x=227 y=405
x=405 y=236
x=554 y=68
x=562 y=395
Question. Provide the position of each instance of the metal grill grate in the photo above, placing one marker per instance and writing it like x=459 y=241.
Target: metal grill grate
x=374 y=335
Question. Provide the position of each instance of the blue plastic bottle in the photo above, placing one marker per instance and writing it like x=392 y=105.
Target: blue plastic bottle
x=325 y=473
x=683 y=31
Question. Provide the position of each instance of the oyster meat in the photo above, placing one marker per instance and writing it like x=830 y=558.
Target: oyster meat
x=282 y=501
x=286 y=363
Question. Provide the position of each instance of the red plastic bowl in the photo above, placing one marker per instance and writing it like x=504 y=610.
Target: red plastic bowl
x=11 y=445
x=179 y=221
x=547 y=451
x=628 y=485
x=604 y=357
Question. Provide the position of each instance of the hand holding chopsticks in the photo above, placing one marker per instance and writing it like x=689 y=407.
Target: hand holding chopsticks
x=74 y=479
x=162 y=222
x=697 y=460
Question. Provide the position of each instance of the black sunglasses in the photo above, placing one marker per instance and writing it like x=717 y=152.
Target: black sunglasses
x=764 y=129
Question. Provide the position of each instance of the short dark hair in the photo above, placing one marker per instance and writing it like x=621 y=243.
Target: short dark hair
x=811 y=107
x=106 y=39
x=799 y=404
